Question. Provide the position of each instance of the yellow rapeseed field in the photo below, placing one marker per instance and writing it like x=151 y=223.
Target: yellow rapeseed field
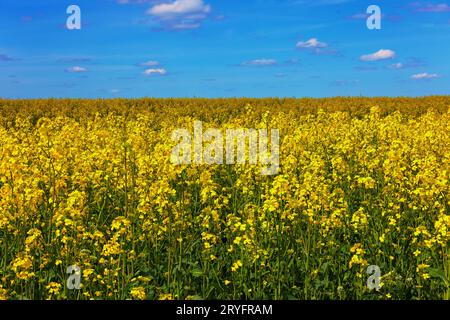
x=89 y=183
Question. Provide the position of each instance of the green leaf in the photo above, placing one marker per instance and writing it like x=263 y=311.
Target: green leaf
x=436 y=273
x=197 y=273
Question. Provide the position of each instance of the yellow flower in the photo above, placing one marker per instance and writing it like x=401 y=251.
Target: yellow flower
x=166 y=296
x=138 y=293
x=53 y=288
x=3 y=293
x=91 y=182
x=236 y=266
x=22 y=266
x=87 y=273
x=421 y=267
x=425 y=276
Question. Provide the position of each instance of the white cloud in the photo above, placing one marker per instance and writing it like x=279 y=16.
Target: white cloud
x=179 y=7
x=158 y=71
x=425 y=75
x=311 y=44
x=316 y=47
x=76 y=69
x=397 y=65
x=180 y=14
x=379 y=55
x=408 y=63
x=260 y=63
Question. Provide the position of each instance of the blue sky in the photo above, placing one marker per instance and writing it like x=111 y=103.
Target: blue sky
x=223 y=48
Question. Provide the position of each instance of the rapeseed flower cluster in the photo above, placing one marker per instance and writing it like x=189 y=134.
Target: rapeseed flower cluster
x=90 y=183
